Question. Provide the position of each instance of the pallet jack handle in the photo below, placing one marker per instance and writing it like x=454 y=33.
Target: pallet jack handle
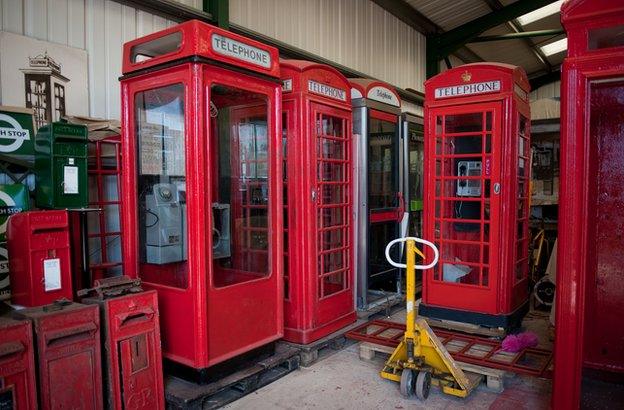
x=410 y=267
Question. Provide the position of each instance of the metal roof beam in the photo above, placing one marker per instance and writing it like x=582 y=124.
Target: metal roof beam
x=517 y=28
x=520 y=35
x=443 y=44
x=459 y=36
x=409 y=15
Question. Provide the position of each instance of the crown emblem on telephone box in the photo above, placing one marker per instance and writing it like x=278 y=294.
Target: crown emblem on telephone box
x=466 y=76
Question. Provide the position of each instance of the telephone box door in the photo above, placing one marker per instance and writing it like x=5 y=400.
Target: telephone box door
x=333 y=201
x=384 y=201
x=245 y=307
x=466 y=187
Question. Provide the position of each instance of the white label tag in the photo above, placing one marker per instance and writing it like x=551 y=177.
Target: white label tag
x=384 y=95
x=71 y=161
x=468 y=89
x=327 y=91
x=52 y=274
x=287 y=85
x=70 y=180
x=241 y=51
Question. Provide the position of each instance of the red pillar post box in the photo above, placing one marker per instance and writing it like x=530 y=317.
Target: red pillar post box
x=133 y=375
x=202 y=183
x=318 y=198
x=39 y=257
x=18 y=389
x=67 y=339
x=379 y=205
x=477 y=173
x=590 y=254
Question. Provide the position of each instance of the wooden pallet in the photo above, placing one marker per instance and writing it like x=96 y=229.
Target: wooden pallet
x=466 y=327
x=387 y=307
x=310 y=353
x=494 y=378
x=183 y=394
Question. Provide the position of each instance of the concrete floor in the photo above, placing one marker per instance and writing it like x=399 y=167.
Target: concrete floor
x=340 y=380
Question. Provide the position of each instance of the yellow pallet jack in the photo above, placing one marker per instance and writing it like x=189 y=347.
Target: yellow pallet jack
x=421 y=359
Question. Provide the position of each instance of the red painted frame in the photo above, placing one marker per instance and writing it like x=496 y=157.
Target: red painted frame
x=503 y=294
x=575 y=336
x=202 y=324
x=308 y=315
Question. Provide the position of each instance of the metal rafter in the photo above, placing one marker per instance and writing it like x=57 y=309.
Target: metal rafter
x=443 y=44
x=516 y=27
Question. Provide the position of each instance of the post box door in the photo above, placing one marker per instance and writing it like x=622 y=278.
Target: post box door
x=384 y=200
x=331 y=196
x=464 y=177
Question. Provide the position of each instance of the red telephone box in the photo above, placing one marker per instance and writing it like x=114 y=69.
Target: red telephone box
x=318 y=263
x=18 y=389
x=590 y=255
x=477 y=173
x=379 y=203
x=202 y=184
x=39 y=257
x=67 y=339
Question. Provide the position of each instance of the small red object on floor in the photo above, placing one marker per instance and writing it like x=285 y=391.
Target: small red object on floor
x=18 y=389
x=67 y=336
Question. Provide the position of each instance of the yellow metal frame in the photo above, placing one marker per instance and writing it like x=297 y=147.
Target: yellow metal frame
x=420 y=349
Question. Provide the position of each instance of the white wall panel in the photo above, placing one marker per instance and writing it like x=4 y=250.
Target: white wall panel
x=355 y=33
x=552 y=90
x=99 y=26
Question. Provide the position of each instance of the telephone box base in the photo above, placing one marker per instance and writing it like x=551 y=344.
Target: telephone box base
x=304 y=337
x=508 y=322
x=220 y=370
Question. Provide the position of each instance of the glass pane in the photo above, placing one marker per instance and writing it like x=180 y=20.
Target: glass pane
x=333 y=194
x=468 y=144
x=606 y=37
x=330 y=148
x=160 y=132
x=332 y=239
x=331 y=217
x=472 y=122
x=333 y=283
x=332 y=126
x=382 y=164
x=241 y=189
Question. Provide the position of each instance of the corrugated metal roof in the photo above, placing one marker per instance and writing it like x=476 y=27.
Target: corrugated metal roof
x=449 y=14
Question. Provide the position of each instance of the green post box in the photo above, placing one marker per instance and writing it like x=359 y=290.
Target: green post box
x=61 y=166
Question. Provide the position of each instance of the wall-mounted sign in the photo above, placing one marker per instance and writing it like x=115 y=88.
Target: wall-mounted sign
x=384 y=95
x=468 y=89
x=16 y=131
x=327 y=91
x=240 y=51
x=287 y=85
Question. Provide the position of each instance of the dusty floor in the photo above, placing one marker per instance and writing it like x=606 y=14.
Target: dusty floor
x=342 y=381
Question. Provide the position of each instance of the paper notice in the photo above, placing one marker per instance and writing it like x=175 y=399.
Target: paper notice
x=52 y=274
x=70 y=180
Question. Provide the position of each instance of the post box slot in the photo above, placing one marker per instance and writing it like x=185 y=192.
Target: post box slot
x=50 y=228
x=71 y=334
x=7 y=350
x=129 y=318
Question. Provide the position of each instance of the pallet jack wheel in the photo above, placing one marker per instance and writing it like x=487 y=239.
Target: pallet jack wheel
x=407 y=383
x=423 y=385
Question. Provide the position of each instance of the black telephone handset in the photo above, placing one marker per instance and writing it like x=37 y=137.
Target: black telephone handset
x=462 y=173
